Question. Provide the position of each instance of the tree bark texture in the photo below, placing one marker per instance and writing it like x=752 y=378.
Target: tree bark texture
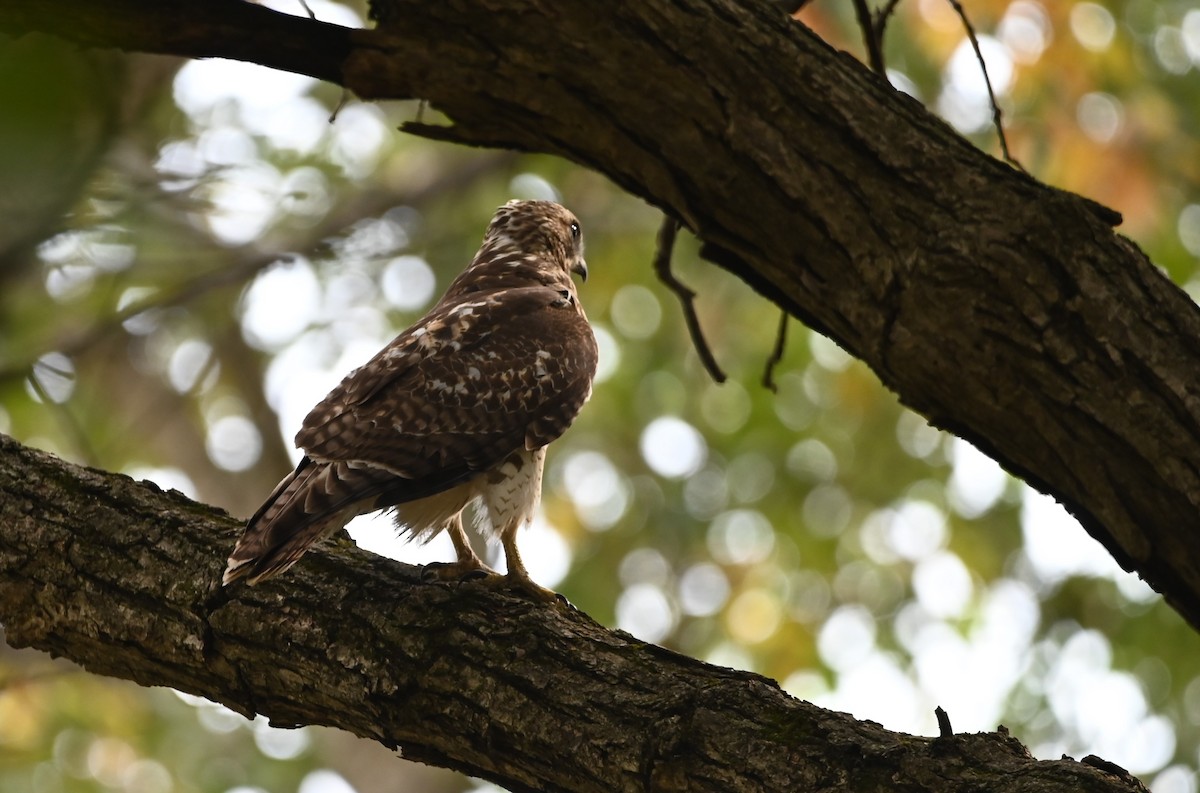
x=123 y=579
x=1001 y=309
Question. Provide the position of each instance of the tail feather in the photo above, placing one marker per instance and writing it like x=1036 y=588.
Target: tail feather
x=308 y=505
x=317 y=499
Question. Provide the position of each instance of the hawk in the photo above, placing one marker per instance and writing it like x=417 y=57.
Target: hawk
x=458 y=409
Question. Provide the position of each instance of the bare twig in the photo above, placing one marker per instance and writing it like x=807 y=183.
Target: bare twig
x=872 y=33
x=962 y=14
x=882 y=17
x=768 y=379
x=342 y=100
x=872 y=39
x=662 y=266
x=305 y=6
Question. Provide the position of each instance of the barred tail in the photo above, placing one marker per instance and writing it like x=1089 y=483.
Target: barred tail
x=310 y=504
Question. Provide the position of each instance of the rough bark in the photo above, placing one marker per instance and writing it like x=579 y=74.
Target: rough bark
x=999 y=308
x=123 y=579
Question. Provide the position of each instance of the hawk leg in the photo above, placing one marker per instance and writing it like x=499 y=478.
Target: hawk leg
x=518 y=576
x=467 y=566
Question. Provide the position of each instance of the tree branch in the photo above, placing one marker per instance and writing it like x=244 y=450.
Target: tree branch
x=122 y=578
x=231 y=29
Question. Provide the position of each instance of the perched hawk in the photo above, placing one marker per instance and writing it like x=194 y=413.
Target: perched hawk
x=457 y=409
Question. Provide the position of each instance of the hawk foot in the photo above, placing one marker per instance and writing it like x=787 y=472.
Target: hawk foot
x=457 y=572
x=475 y=571
x=526 y=586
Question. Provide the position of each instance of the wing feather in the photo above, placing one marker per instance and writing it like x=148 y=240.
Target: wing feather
x=477 y=379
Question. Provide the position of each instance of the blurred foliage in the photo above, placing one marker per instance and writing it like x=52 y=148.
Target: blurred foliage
x=227 y=254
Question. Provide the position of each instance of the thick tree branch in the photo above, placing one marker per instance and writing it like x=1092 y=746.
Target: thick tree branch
x=122 y=578
x=232 y=29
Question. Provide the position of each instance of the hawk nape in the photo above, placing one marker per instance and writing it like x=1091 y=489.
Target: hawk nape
x=457 y=409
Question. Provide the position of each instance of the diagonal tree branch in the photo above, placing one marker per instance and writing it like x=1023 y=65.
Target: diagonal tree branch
x=205 y=29
x=122 y=578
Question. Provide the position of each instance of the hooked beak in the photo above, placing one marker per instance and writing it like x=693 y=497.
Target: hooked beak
x=580 y=268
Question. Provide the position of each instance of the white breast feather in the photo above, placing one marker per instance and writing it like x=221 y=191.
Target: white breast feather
x=511 y=492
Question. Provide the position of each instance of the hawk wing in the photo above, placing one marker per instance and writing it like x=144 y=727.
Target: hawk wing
x=458 y=393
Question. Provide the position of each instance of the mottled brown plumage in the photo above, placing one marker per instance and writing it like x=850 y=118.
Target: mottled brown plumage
x=458 y=408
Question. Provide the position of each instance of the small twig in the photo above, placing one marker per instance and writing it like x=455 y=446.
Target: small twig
x=768 y=379
x=882 y=17
x=996 y=120
x=311 y=15
x=662 y=266
x=342 y=100
x=943 y=720
x=871 y=38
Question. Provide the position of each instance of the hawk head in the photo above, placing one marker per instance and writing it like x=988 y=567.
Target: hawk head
x=529 y=242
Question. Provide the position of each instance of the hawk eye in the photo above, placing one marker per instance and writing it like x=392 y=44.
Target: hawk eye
x=575 y=233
